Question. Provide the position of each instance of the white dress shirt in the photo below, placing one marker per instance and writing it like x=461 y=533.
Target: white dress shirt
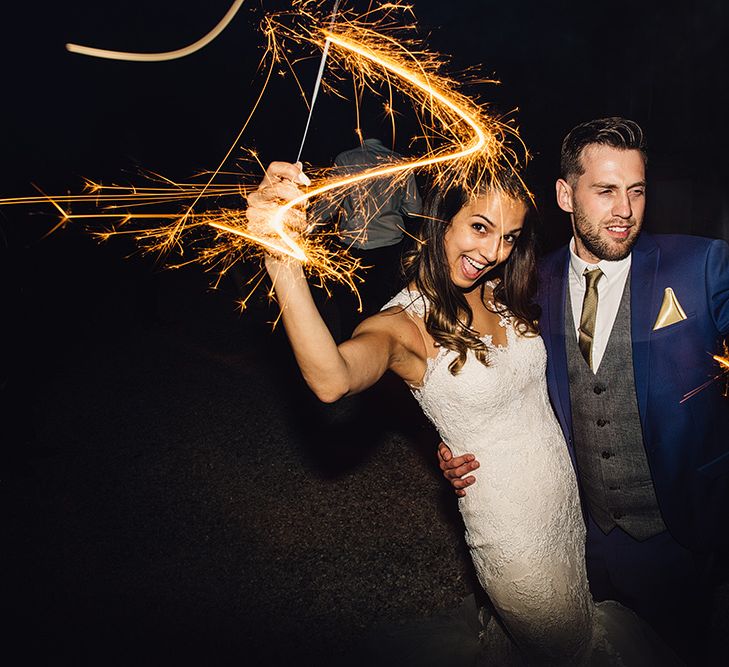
x=609 y=294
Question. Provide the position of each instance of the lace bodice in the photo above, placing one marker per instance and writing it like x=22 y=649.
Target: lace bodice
x=502 y=399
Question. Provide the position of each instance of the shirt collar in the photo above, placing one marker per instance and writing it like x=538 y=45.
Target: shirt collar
x=609 y=269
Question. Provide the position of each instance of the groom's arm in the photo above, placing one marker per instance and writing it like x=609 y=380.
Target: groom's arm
x=456 y=467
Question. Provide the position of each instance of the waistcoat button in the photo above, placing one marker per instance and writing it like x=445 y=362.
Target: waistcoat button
x=606 y=454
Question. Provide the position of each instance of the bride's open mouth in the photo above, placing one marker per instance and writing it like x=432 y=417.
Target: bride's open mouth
x=471 y=268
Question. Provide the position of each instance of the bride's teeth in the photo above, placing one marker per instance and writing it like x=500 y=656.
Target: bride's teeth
x=476 y=265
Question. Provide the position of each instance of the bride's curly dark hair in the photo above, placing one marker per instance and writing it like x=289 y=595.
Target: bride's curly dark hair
x=449 y=317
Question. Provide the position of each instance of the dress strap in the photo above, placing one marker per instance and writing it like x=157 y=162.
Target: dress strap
x=410 y=301
x=415 y=306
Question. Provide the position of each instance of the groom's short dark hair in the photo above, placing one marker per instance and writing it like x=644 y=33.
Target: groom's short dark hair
x=617 y=132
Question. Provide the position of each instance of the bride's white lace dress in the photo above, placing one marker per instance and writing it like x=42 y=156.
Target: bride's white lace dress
x=524 y=525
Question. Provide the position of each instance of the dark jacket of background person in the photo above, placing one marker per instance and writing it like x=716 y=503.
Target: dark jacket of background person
x=371 y=213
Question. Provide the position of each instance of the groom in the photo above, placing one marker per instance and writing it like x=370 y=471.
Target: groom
x=630 y=321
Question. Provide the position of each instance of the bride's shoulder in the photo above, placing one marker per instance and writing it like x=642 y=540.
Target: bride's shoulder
x=408 y=301
x=401 y=319
x=401 y=332
x=398 y=320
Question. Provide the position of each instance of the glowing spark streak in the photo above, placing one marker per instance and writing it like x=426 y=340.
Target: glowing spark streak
x=277 y=222
x=166 y=55
x=256 y=239
x=317 y=83
x=423 y=84
x=723 y=362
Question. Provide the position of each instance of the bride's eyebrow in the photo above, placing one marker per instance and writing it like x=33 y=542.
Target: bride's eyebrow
x=516 y=230
x=483 y=217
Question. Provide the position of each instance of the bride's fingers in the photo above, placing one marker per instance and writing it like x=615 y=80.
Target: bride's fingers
x=277 y=192
x=302 y=178
x=277 y=171
x=284 y=171
x=285 y=190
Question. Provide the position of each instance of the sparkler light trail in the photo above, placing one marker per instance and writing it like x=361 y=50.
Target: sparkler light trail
x=461 y=144
x=723 y=361
x=166 y=55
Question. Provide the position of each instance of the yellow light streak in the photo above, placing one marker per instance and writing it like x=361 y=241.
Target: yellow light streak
x=165 y=55
x=420 y=82
x=723 y=361
x=462 y=144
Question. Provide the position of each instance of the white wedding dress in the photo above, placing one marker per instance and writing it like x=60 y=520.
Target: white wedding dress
x=524 y=525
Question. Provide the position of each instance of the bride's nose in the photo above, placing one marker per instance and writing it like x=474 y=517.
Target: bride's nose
x=492 y=249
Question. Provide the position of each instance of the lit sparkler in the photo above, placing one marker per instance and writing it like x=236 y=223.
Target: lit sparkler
x=464 y=144
x=723 y=361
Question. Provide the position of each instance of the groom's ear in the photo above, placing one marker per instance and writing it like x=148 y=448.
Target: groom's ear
x=564 y=195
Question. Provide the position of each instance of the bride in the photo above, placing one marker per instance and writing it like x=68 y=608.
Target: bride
x=463 y=335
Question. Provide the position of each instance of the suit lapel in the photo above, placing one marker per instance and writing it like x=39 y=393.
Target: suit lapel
x=644 y=306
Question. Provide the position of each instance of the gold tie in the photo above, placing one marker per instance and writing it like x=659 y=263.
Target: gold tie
x=589 y=313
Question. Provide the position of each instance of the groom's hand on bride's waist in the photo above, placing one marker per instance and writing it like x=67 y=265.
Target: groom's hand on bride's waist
x=455 y=468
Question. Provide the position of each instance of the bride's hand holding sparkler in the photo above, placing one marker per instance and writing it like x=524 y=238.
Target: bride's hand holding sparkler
x=281 y=182
x=279 y=186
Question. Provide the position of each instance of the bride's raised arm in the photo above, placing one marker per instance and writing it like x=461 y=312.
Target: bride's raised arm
x=380 y=342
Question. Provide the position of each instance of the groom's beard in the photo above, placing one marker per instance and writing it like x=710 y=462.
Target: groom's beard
x=595 y=238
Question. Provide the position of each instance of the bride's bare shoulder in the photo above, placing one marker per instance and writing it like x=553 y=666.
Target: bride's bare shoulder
x=405 y=328
x=395 y=321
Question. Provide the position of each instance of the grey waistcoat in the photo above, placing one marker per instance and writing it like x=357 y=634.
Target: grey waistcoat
x=608 y=439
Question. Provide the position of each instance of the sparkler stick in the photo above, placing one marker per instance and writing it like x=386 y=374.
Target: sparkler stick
x=166 y=55
x=317 y=83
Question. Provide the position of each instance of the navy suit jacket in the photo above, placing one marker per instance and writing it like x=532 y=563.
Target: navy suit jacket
x=687 y=443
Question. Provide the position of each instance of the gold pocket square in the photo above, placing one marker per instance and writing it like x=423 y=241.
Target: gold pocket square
x=671 y=311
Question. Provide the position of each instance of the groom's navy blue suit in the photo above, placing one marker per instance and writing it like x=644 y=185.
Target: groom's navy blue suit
x=686 y=443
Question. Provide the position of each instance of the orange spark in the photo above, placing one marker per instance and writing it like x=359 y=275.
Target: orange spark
x=723 y=361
